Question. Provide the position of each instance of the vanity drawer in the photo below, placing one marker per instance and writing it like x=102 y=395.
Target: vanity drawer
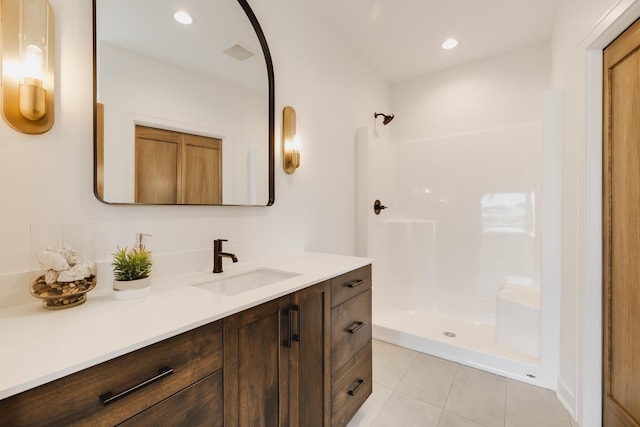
x=351 y=386
x=350 y=284
x=75 y=399
x=350 y=329
x=198 y=405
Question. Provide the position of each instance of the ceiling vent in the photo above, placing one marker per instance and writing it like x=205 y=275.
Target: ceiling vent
x=239 y=52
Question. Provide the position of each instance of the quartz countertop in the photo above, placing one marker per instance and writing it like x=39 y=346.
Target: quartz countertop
x=39 y=345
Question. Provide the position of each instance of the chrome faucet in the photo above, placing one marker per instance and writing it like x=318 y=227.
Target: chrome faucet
x=218 y=255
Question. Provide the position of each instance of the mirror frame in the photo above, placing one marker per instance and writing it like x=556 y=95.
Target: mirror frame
x=270 y=76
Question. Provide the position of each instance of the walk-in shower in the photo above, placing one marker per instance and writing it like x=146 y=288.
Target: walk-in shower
x=459 y=252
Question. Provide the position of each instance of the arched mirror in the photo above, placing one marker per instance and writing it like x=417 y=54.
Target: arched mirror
x=184 y=112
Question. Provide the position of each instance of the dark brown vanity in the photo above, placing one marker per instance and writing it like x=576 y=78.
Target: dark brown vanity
x=303 y=359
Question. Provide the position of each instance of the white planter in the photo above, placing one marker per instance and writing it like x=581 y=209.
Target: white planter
x=130 y=289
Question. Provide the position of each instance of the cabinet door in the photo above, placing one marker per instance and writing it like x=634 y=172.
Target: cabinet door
x=310 y=367
x=256 y=365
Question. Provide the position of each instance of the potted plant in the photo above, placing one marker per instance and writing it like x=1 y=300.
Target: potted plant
x=131 y=271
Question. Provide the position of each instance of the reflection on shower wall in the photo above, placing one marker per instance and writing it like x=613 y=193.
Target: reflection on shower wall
x=463 y=220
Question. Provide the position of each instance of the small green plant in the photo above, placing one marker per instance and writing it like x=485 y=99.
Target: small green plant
x=131 y=264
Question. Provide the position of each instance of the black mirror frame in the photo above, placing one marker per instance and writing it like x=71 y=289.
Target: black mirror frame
x=271 y=80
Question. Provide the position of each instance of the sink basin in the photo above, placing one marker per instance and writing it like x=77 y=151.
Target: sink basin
x=244 y=282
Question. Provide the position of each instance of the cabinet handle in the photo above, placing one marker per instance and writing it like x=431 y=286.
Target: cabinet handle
x=296 y=308
x=110 y=397
x=289 y=339
x=357 y=389
x=355 y=327
x=354 y=283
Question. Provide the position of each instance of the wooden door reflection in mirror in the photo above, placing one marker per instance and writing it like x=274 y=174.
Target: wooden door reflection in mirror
x=177 y=168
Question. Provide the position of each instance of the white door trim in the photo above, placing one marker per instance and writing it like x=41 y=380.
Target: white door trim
x=589 y=312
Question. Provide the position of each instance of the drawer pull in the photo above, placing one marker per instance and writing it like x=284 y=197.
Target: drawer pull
x=355 y=327
x=109 y=397
x=354 y=283
x=357 y=389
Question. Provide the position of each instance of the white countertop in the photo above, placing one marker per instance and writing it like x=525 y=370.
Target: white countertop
x=39 y=345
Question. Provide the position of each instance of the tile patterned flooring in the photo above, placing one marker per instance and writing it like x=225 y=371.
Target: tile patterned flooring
x=414 y=389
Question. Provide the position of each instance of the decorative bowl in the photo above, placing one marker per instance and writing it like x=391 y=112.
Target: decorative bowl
x=58 y=295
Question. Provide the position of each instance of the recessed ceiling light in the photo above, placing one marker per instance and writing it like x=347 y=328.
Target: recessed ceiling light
x=183 y=17
x=449 y=44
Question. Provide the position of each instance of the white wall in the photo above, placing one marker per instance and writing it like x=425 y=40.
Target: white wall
x=500 y=91
x=48 y=178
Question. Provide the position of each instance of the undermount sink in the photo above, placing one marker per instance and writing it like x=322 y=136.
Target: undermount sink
x=244 y=282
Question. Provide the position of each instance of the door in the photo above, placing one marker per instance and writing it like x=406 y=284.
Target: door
x=201 y=170
x=310 y=351
x=256 y=366
x=158 y=166
x=621 y=213
x=174 y=167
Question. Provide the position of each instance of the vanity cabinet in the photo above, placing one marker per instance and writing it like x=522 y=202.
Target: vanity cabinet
x=303 y=359
x=276 y=370
x=112 y=392
x=351 y=358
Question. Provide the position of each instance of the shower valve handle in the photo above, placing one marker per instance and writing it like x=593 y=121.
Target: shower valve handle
x=378 y=206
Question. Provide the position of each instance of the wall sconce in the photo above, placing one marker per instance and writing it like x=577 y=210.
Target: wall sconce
x=27 y=65
x=290 y=141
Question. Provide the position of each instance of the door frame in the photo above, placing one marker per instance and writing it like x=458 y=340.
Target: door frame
x=588 y=404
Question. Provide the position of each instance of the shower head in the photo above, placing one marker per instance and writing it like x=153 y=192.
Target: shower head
x=387 y=118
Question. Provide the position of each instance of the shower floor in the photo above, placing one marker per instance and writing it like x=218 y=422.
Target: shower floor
x=473 y=345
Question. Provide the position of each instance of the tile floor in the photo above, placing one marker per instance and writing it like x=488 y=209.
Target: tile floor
x=414 y=389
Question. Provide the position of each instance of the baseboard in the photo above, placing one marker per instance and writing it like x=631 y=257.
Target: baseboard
x=567 y=397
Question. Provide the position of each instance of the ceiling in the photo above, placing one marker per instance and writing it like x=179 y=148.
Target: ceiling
x=401 y=38
x=147 y=27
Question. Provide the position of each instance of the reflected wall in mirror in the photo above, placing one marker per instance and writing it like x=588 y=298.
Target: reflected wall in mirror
x=211 y=80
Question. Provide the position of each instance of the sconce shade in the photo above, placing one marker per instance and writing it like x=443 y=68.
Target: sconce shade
x=28 y=65
x=290 y=141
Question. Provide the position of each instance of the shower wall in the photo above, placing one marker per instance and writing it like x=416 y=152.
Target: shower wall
x=464 y=220
x=461 y=173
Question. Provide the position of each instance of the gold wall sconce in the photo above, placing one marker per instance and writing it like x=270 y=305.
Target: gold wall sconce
x=28 y=65
x=290 y=141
